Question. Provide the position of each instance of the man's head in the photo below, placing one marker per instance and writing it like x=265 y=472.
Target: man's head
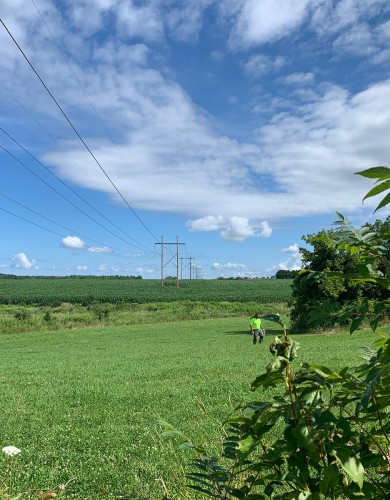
x=257 y=315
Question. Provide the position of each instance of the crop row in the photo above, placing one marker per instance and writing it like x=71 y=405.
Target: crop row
x=54 y=291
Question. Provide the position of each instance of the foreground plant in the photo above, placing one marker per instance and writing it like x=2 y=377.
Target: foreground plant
x=334 y=426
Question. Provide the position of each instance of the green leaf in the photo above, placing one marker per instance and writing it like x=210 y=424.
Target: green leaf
x=351 y=465
x=384 y=202
x=384 y=283
x=268 y=380
x=245 y=444
x=356 y=322
x=330 y=478
x=370 y=390
x=378 y=189
x=379 y=307
x=375 y=173
x=304 y=437
x=363 y=309
x=274 y=318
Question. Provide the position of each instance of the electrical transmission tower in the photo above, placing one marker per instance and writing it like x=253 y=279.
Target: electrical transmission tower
x=164 y=264
x=186 y=266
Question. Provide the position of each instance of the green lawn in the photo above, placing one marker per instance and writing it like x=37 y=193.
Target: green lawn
x=83 y=404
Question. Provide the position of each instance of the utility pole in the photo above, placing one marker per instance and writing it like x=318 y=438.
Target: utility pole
x=177 y=258
x=186 y=266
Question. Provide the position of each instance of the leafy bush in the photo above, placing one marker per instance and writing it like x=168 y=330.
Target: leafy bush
x=327 y=256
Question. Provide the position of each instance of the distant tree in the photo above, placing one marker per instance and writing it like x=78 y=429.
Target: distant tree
x=284 y=274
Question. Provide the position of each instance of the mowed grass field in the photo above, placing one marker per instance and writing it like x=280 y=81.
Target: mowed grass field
x=82 y=405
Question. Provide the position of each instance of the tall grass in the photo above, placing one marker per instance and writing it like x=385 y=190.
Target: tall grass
x=19 y=319
x=82 y=404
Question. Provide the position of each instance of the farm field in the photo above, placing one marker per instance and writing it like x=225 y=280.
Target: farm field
x=82 y=405
x=53 y=291
x=46 y=304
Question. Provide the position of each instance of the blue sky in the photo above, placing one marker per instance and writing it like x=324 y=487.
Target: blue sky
x=231 y=126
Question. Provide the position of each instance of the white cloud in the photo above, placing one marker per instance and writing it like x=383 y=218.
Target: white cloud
x=238 y=229
x=291 y=249
x=261 y=64
x=207 y=223
x=82 y=268
x=262 y=21
x=292 y=264
x=73 y=242
x=231 y=229
x=358 y=41
x=21 y=261
x=143 y=270
x=299 y=78
x=99 y=249
x=228 y=265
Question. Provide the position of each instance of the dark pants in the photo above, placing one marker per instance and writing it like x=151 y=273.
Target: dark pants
x=258 y=335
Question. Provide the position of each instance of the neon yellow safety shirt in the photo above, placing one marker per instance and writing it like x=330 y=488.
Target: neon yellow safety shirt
x=255 y=323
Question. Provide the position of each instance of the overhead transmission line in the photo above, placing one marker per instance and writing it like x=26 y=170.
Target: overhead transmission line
x=45 y=130
x=75 y=130
x=86 y=95
x=58 y=224
x=53 y=232
x=68 y=187
x=66 y=199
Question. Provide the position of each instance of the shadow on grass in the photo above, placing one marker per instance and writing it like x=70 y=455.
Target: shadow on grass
x=276 y=332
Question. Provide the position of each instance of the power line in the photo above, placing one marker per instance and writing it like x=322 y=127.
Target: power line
x=66 y=199
x=60 y=225
x=70 y=189
x=49 y=230
x=86 y=95
x=74 y=129
x=45 y=130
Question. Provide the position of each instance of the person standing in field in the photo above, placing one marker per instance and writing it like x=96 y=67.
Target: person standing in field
x=256 y=328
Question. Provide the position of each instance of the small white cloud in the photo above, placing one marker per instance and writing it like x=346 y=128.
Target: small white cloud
x=299 y=78
x=261 y=64
x=72 y=242
x=142 y=270
x=102 y=267
x=21 y=260
x=291 y=249
x=207 y=223
x=99 y=249
x=82 y=268
x=228 y=265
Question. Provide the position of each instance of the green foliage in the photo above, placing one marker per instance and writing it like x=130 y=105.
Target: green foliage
x=284 y=274
x=68 y=316
x=87 y=291
x=338 y=269
x=336 y=424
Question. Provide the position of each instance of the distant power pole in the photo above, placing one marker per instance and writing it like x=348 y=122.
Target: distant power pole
x=186 y=266
x=196 y=269
x=176 y=243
